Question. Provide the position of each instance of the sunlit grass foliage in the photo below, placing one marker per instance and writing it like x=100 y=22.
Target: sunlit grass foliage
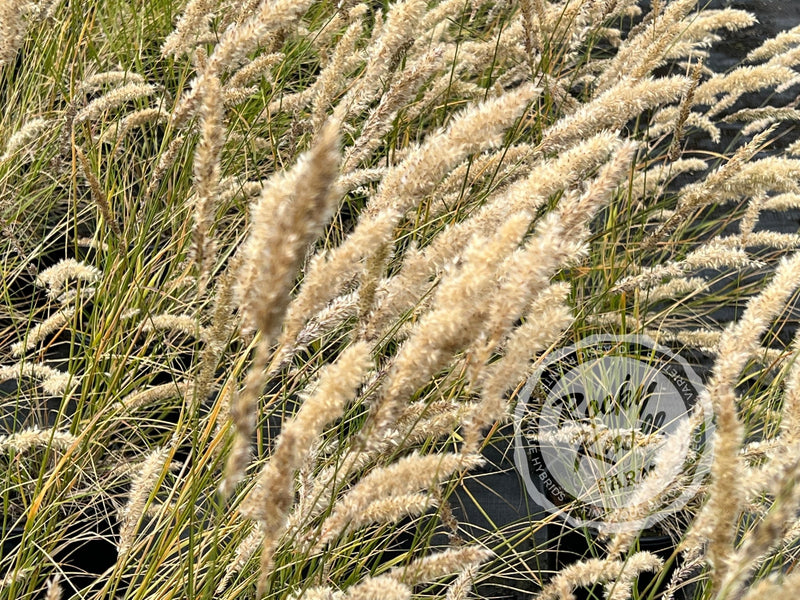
x=274 y=273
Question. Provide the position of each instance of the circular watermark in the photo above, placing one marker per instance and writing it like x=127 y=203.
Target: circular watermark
x=613 y=433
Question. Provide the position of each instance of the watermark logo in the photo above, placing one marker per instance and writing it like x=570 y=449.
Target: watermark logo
x=613 y=433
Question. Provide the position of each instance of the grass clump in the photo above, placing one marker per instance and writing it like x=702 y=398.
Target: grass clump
x=274 y=274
